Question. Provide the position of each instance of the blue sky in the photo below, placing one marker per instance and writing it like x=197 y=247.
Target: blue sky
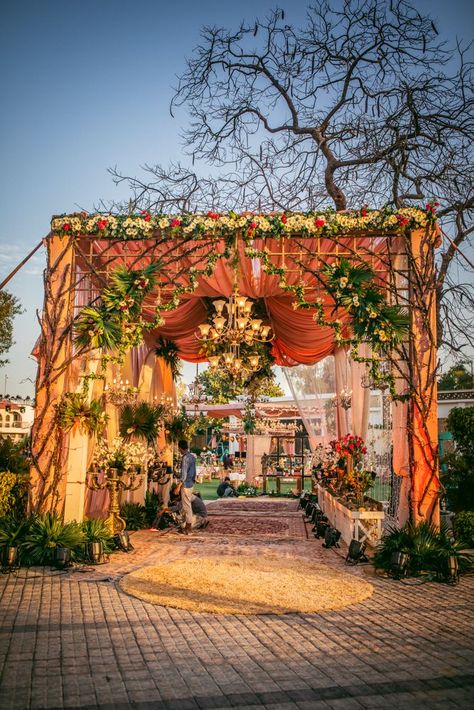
x=86 y=86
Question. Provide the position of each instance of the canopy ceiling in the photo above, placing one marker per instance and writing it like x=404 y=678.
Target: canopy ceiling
x=298 y=338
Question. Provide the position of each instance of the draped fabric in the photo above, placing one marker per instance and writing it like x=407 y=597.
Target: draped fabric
x=313 y=393
x=342 y=377
x=360 y=395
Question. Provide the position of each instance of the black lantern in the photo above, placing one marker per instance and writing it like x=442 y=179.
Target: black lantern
x=356 y=553
x=398 y=564
x=62 y=557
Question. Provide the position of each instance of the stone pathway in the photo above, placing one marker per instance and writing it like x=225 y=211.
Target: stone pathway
x=74 y=640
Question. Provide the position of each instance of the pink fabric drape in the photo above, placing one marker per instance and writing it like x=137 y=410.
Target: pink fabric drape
x=341 y=371
x=360 y=398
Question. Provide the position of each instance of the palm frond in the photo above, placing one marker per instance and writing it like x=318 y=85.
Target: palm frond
x=141 y=420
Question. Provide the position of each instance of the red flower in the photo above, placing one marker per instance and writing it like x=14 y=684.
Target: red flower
x=66 y=227
x=284 y=218
x=147 y=215
x=175 y=223
x=363 y=211
x=102 y=223
x=402 y=220
x=253 y=225
x=213 y=215
x=319 y=222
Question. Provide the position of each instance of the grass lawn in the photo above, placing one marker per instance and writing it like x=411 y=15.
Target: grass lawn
x=208 y=488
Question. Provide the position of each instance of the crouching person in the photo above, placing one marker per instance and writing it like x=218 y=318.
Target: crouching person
x=199 y=512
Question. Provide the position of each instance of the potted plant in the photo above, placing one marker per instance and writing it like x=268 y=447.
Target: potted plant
x=47 y=534
x=98 y=540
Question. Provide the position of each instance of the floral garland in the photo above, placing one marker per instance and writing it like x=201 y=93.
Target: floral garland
x=325 y=223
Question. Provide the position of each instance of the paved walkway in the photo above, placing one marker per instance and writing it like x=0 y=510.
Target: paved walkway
x=75 y=640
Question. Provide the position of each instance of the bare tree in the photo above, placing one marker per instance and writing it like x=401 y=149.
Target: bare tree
x=364 y=104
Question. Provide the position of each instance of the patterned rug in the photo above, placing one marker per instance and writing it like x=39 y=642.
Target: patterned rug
x=244 y=504
x=253 y=526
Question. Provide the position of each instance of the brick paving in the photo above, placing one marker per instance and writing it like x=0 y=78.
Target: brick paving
x=74 y=640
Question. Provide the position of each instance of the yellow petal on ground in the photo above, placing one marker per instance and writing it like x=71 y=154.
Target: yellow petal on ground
x=246 y=585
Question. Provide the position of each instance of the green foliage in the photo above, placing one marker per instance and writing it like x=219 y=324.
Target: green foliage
x=141 y=420
x=222 y=389
x=97 y=328
x=48 y=532
x=458 y=476
x=116 y=324
x=456 y=378
x=9 y=308
x=7 y=499
x=460 y=423
x=75 y=412
x=168 y=350
x=152 y=503
x=134 y=515
x=427 y=547
x=13 y=456
x=177 y=426
x=13 y=485
x=463 y=526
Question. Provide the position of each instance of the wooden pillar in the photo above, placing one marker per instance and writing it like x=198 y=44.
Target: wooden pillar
x=422 y=409
x=49 y=453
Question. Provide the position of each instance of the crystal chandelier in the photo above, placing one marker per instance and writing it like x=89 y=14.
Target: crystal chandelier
x=195 y=395
x=120 y=393
x=233 y=325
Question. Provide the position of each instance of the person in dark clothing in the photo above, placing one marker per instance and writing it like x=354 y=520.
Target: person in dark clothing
x=199 y=512
x=226 y=489
x=228 y=461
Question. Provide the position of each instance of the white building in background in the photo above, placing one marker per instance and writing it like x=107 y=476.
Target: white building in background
x=16 y=418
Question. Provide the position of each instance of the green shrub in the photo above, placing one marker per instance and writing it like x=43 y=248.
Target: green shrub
x=14 y=456
x=428 y=549
x=134 y=515
x=48 y=532
x=152 y=503
x=458 y=476
x=14 y=531
x=463 y=526
x=13 y=493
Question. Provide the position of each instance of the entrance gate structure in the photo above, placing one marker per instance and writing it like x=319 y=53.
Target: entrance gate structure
x=119 y=288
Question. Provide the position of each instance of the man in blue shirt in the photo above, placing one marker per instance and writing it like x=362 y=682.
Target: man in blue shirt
x=188 y=476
